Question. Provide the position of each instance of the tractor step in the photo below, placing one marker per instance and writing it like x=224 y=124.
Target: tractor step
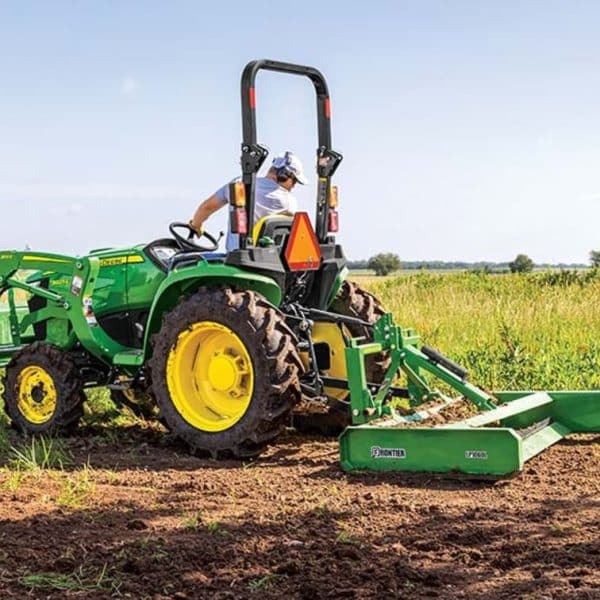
x=129 y=358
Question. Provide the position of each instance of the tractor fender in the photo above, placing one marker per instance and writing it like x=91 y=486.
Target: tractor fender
x=185 y=281
x=337 y=286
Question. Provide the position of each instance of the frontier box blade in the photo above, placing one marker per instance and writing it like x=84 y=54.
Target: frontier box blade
x=509 y=429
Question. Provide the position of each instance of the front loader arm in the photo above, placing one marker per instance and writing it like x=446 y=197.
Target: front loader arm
x=74 y=304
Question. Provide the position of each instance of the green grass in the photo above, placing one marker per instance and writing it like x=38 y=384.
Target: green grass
x=40 y=453
x=511 y=331
x=538 y=330
x=79 y=581
x=216 y=528
x=344 y=537
x=262 y=583
x=192 y=521
x=77 y=489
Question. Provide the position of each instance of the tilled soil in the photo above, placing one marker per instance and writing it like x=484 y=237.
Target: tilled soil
x=158 y=523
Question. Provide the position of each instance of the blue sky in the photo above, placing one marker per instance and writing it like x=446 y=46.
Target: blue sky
x=471 y=130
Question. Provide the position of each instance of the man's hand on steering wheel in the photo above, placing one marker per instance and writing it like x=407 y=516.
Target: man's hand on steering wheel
x=198 y=230
x=190 y=242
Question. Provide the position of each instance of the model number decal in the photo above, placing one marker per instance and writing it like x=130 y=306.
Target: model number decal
x=121 y=260
x=378 y=452
x=476 y=454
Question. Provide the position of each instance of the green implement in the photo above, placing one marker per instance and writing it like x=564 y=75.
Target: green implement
x=509 y=429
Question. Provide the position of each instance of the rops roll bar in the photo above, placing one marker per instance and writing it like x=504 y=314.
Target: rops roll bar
x=253 y=154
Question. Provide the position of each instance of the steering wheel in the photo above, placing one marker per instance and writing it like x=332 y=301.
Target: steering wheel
x=190 y=242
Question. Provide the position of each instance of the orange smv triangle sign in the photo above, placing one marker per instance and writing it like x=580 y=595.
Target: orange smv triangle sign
x=303 y=252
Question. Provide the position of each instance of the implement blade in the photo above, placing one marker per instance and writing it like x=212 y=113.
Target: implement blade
x=484 y=451
x=532 y=421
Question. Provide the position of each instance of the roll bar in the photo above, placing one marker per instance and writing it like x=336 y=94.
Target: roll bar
x=253 y=154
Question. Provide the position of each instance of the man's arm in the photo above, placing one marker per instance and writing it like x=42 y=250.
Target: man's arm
x=292 y=205
x=207 y=208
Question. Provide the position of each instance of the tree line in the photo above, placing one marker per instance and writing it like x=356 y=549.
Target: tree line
x=385 y=263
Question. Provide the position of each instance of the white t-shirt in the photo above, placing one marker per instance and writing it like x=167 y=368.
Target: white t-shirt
x=271 y=199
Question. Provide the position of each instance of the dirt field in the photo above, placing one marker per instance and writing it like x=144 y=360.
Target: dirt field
x=136 y=517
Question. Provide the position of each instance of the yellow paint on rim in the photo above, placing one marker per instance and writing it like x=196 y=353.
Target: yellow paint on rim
x=36 y=394
x=330 y=334
x=210 y=376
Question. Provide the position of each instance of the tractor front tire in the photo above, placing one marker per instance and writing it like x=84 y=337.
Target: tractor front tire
x=225 y=372
x=43 y=392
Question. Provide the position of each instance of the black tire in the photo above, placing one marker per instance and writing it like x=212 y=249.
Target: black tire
x=275 y=362
x=351 y=301
x=60 y=368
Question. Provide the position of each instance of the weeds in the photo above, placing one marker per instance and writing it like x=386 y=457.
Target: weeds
x=13 y=481
x=345 y=538
x=99 y=408
x=78 y=581
x=262 y=583
x=533 y=332
x=216 y=528
x=41 y=453
x=192 y=522
x=76 y=489
x=322 y=510
x=558 y=529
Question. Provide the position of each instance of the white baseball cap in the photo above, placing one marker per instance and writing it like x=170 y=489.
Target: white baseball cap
x=293 y=164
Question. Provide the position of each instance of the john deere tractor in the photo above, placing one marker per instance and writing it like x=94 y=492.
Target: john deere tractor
x=224 y=344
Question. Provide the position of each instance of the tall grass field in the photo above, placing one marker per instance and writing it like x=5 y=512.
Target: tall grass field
x=512 y=331
x=528 y=331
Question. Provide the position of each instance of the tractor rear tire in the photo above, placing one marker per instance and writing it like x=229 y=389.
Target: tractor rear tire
x=351 y=301
x=43 y=392
x=226 y=372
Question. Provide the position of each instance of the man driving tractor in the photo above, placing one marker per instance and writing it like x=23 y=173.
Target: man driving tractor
x=273 y=195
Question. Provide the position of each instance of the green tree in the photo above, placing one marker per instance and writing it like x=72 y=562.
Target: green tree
x=595 y=258
x=384 y=263
x=521 y=264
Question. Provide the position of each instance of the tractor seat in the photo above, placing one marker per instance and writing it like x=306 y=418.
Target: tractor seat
x=276 y=227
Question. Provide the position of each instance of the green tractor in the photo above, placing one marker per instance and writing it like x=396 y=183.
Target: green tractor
x=225 y=345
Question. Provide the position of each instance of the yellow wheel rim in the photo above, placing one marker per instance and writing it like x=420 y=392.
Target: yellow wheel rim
x=37 y=397
x=330 y=334
x=210 y=376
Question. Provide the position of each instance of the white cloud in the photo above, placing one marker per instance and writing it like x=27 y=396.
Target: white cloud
x=129 y=86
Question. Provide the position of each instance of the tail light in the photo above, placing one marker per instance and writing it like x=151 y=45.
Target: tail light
x=333 y=197
x=239 y=221
x=333 y=221
x=237 y=194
